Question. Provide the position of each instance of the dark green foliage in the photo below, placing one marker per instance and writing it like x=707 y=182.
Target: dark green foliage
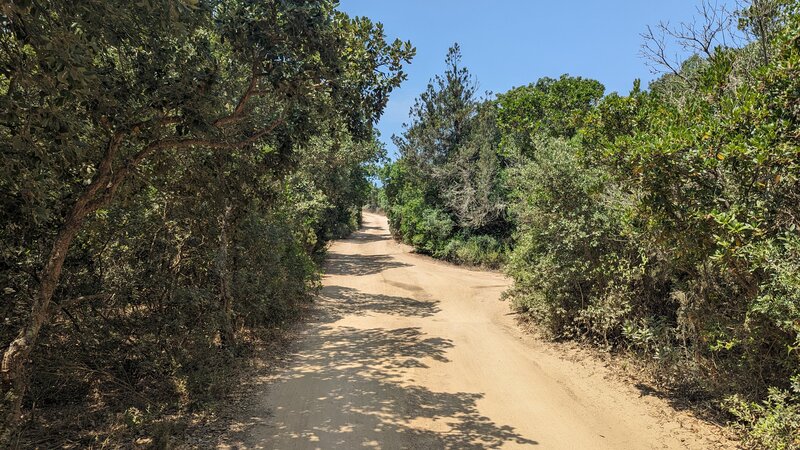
x=550 y=107
x=171 y=172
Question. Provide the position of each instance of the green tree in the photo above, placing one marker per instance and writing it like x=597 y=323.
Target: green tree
x=446 y=190
x=98 y=97
x=550 y=107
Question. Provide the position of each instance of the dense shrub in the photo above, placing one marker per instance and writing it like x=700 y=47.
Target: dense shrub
x=772 y=423
x=481 y=250
x=565 y=246
x=663 y=223
x=171 y=173
x=669 y=227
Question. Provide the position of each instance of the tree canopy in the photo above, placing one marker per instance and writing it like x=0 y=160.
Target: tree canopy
x=146 y=145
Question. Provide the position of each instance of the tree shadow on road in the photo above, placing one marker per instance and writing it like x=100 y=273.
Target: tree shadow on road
x=359 y=265
x=338 y=301
x=349 y=388
x=363 y=237
x=354 y=388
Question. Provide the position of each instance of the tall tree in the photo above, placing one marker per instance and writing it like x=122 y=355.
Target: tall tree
x=441 y=120
x=549 y=107
x=447 y=186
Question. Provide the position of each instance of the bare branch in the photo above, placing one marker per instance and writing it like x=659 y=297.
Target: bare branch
x=654 y=50
x=712 y=27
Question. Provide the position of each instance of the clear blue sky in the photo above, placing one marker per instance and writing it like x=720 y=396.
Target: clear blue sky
x=507 y=43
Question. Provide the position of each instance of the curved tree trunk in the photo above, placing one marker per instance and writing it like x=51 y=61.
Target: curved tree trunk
x=15 y=358
x=98 y=194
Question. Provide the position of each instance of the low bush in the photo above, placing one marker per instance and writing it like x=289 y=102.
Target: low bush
x=772 y=423
x=483 y=251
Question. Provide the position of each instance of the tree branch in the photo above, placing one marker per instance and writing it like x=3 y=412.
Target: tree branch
x=250 y=92
x=116 y=180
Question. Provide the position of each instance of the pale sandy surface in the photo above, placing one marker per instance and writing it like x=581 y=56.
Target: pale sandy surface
x=408 y=352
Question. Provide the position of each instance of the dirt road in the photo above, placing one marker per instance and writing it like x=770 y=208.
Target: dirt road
x=408 y=352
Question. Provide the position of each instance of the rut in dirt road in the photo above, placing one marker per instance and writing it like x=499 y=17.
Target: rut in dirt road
x=408 y=352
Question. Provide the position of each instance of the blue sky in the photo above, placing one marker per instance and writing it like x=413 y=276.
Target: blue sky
x=507 y=43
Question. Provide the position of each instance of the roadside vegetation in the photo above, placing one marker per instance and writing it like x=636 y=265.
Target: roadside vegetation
x=171 y=172
x=446 y=193
x=662 y=223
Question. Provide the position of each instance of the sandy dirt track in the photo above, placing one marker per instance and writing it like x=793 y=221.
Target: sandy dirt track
x=411 y=353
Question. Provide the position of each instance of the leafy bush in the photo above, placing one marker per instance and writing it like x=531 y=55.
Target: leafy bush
x=171 y=172
x=669 y=227
x=773 y=423
x=566 y=254
x=482 y=250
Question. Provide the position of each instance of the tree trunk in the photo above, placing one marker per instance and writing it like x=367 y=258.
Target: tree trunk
x=15 y=358
x=13 y=373
x=98 y=194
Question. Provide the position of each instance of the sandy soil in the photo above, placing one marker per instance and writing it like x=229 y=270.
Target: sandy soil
x=408 y=352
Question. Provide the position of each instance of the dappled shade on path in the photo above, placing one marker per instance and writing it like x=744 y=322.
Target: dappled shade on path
x=342 y=300
x=357 y=376
x=359 y=265
x=407 y=353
